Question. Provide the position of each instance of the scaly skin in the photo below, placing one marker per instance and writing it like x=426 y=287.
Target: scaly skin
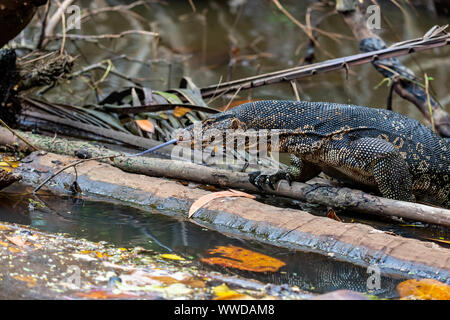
x=376 y=148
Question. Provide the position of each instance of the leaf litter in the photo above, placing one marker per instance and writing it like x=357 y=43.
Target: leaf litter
x=40 y=265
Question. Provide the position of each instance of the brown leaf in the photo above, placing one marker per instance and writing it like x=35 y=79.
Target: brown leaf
x=243 y=259
x=31 y=282
x=180 y=111
x=13 y=250
x=145 y=125
x=17 y=240
x=211 y=196
x=101 y=294
x=332 y=215
x=424 y=289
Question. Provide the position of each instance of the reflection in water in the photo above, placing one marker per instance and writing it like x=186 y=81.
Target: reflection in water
x=125 y=226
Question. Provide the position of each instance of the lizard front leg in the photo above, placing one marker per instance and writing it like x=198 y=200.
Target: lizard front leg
x=388 y=168
x=299 y=170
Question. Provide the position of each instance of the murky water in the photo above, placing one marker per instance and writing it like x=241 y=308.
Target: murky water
x=124 y=226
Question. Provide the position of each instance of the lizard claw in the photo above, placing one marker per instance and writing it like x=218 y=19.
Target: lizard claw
x=260 y=180
x=254 y=178
x=280 y=175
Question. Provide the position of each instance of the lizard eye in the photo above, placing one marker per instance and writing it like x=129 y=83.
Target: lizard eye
x=234 y=124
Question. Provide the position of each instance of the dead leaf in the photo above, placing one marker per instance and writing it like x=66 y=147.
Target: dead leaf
x=243 y=259
x=101 y=255
x=13 y=250
x=145 y=125
x=100 y=294
x=172 y=256
x=224 y=293
x=332 y=215
x=8 y=165
x=4 y=228
x=180 y=111
x=31 y=282
x=424 y=289
x=164 y=279
x=17 y=240
x=221 y=194
x=194 y=283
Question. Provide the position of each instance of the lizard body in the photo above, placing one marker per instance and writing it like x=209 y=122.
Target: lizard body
x=371 y=147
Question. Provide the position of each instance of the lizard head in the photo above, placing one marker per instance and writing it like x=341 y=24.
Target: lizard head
x=204 y=133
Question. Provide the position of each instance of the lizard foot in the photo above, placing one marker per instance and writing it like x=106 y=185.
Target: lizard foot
x=260 y=180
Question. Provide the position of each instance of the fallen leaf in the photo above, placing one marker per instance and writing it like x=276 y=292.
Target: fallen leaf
x=424 y=289
x=17 y=240
x=101 y=255
x=172 y=256
x=13 y=250
x=100 y=294
x=180 y=111
x=237 y=296
x=7 y=169
x=332 y=215
x=211 y=196
x=31 y=282
x=9 y=166
x=145 y=125
x=164 y=279
x=223 y=291
x=4 y=228
x=194 y=283
x=243 y=259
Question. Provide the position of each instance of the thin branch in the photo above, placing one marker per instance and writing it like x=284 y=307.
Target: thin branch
x=73 y=164
x=94 y=38
x=411 y=46
x=18 y=136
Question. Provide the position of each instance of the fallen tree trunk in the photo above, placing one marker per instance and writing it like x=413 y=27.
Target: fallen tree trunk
x=321 y=193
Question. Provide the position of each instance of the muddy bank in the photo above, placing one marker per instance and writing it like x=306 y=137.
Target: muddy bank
x=358 y=243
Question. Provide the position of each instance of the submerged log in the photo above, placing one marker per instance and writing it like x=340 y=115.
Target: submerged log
x=354 y=242
x=321 y=192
